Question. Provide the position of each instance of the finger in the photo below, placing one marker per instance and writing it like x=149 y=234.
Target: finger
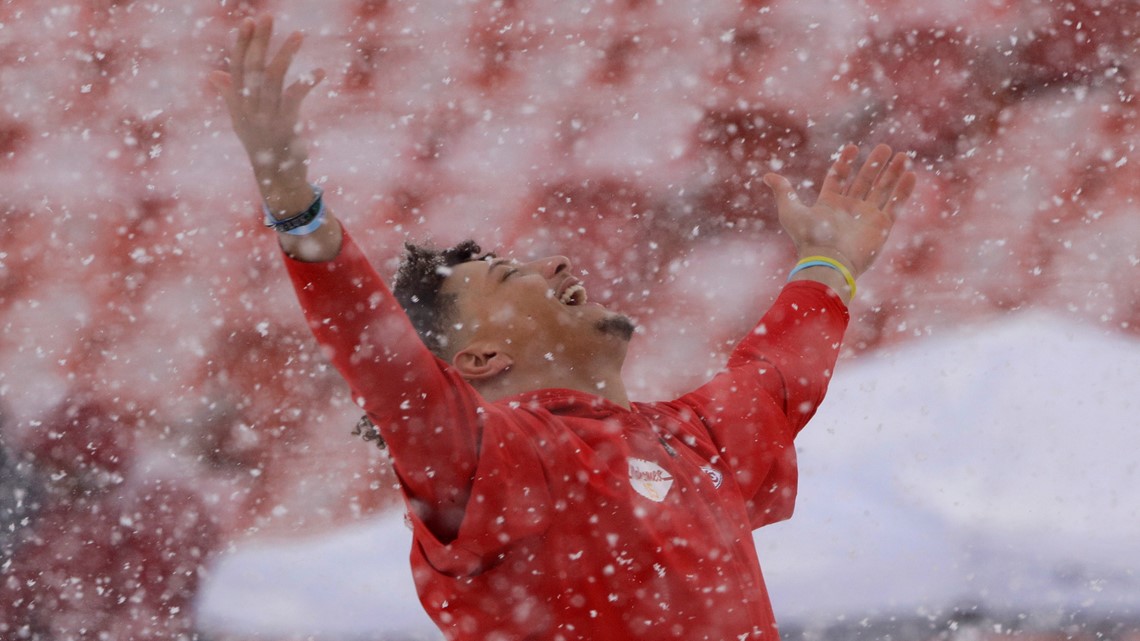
x=278 y=67
x=255 y=58
x=295 y=94
x=241 y=47
x=870 y=170
x=901 y=193
x=839 y=171
x=782 y=189
x=885 y=185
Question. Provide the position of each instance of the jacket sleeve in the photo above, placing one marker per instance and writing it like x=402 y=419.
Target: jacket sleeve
x=776 y=378
x=428 y=415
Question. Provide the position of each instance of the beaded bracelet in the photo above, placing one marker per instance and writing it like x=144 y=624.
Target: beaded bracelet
x=303 y=223
x=824 y=261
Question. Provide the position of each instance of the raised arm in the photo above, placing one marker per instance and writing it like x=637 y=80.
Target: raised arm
x=852 y=217
x=266 y=117
x=837 y=239
x=428 y=415
x=778 y=375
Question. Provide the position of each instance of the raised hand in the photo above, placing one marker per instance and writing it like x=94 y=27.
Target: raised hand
x=266 y=117
x=852 y=217
x=265 y=113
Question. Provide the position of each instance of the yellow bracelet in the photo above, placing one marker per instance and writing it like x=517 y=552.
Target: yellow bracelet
x=824 y=261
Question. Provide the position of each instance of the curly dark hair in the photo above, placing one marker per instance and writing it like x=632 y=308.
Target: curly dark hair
x=417 y=289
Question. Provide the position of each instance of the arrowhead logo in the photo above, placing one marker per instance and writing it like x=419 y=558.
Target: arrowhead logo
x=714 y=474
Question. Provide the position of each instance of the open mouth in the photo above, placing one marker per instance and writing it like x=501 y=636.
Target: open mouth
x=573 y=295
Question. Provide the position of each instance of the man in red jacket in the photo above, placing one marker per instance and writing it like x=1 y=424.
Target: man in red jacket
x=545 y=504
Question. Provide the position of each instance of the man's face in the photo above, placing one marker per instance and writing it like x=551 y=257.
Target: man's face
x=537 y=310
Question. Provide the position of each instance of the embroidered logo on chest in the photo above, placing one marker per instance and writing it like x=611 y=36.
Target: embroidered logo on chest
x=649 y=479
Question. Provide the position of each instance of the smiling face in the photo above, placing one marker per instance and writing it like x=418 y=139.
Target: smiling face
x=537 y=315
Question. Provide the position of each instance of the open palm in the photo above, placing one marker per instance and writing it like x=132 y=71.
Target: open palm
x=263 y=110
x=852 y=217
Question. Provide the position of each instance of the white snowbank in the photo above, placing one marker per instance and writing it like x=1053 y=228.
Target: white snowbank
x=994 y=466
x=997 y=465
x=354 y=581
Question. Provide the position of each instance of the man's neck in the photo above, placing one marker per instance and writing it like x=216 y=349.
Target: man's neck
x=610 y=387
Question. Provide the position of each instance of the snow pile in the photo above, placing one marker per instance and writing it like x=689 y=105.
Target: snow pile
x=996 y=465
x=354 y=581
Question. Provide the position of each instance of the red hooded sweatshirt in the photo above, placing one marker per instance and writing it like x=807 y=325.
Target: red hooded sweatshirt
x=580 y=519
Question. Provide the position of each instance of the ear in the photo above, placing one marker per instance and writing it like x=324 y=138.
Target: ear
x=481 y=361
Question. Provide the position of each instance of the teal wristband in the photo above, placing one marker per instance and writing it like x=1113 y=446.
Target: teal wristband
x=303 y=223
x=312 y=226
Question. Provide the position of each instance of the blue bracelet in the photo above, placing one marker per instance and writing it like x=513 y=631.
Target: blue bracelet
x=313 y=226
x=303 y=223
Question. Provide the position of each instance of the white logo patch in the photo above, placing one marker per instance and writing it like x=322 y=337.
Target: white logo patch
x=649 y=479
x=714 y=474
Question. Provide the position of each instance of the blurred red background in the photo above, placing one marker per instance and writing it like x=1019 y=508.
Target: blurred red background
x=160 y=396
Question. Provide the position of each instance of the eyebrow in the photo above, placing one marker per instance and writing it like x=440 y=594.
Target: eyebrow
x=500 y=263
